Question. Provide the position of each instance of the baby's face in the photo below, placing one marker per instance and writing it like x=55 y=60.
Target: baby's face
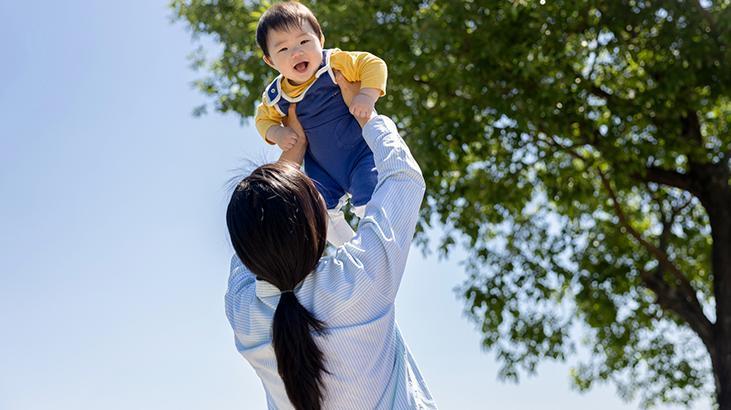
x=295 y=53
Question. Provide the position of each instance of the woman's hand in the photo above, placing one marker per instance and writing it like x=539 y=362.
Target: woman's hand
x=296 y=153
x=350 y=91
x=284 y=137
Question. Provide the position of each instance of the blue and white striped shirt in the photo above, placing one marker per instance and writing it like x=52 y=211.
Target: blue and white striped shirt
x=369 y=365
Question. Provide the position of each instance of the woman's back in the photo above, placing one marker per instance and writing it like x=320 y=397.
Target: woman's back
x=367 y=362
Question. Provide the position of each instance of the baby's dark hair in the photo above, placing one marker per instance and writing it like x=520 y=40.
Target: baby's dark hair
x=284 y=16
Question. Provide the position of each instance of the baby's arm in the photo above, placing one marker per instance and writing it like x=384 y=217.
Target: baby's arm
x=364 y=102
x=370 y=70
x=269 y=124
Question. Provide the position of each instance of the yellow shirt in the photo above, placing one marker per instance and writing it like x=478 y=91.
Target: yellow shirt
x=360 y=66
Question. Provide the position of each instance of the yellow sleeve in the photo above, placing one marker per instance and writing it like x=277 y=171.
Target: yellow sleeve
x=265 y=118
x=361 y=66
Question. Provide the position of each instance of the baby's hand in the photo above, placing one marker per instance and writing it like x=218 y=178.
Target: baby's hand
x=363 y=103
x=284 y=137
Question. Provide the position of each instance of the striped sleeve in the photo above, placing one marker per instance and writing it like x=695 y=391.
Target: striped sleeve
x=386 y=230
x=240 y=285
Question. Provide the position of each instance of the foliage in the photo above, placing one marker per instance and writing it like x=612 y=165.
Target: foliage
x=559 y=141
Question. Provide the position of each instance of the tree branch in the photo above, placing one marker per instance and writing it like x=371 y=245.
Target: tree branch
x=692 y=127
x=665 y=177
x=681 y=300
x=599 y=92
x=710 y=19
x=704 y=11
x=676 y=210
x=661 y=256
x=569 y=150
x=669 y=299
x=686 y=302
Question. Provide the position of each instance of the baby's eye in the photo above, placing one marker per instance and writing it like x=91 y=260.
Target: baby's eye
x=304 y=41
x=282 y=49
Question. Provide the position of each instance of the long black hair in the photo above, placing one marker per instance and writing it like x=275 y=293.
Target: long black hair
x=277 y=222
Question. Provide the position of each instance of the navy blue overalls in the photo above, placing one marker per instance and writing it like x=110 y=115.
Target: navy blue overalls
x=337 y=157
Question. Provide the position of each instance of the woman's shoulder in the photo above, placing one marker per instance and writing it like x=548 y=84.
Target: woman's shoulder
x=239 y=277
x=249 y=317
x=241 y=288
x=341 y=282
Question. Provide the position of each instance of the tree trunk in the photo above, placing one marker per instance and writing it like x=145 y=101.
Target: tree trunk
x=711 y=183
x=721 y=358
x=721 y=261
x=722 y=373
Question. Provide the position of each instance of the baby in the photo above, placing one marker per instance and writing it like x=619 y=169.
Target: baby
x=337 y=157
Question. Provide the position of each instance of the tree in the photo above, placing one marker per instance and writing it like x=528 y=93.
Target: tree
x=578 y=150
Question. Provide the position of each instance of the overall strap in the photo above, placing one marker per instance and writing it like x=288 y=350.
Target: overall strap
x=273 y=94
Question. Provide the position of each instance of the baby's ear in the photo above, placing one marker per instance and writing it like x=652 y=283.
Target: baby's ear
x=322 y=40
x=269 y=62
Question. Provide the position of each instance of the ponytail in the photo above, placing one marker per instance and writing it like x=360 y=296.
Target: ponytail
x=277 y=222
x=299 y=360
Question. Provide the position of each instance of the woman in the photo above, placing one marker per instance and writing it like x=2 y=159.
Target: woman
x=320 y=331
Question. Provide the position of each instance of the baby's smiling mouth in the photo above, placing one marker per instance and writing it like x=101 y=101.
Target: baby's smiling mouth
x=301 y=67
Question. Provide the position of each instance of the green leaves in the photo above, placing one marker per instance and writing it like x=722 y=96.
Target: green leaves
x=516 y=111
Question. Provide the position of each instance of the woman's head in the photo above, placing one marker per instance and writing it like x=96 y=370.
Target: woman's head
x=277 y=222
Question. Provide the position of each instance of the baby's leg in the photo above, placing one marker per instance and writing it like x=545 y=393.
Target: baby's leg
x=359 y=211
x=338 y=228
x=363 y=179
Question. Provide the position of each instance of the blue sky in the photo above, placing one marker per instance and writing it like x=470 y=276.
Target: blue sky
x=113 y=246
